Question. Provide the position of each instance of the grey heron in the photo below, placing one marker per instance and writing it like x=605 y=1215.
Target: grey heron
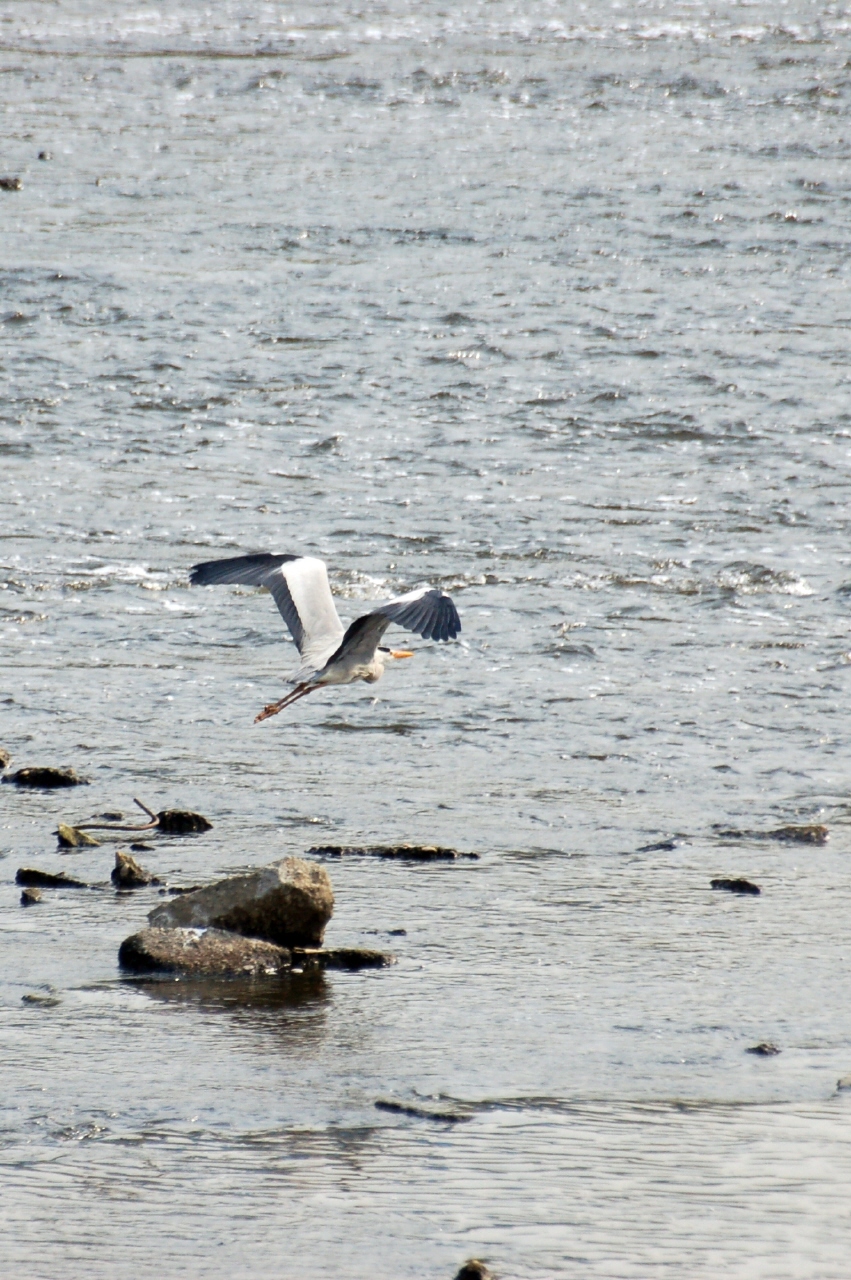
x=330 y=655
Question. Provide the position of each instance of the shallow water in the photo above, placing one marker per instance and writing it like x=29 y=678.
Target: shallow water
x=549 y=307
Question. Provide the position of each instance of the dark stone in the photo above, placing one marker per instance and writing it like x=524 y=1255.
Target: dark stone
x=211 y=953
x=5 y=758
x=814 y=833
x=181 y=822
x=473 y=1269
x=30 y=896
x=46 y=778
x=420 y=1113
x=73 y=837
x=340 y=958
x=735 y=886
x=127 y=874
x=403 y=852
x=178 y=889
x=44 y=879
x=764 y=1050
x=10 y=184
x=288 y=903
x=661 y=846
x=138 y=846
x=45 y=155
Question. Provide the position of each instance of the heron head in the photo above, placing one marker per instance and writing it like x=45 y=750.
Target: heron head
x=394 y=654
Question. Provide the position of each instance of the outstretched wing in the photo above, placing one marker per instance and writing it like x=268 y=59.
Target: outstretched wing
x=428 y=613
x=299 y=586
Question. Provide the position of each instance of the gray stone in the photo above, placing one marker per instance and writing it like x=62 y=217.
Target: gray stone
x=340 y=958
x=211 y=953
x=401 y=852
x=74 y=837
x=288 y=903
x=128 y=874
x=30 y=896
x=46 y=778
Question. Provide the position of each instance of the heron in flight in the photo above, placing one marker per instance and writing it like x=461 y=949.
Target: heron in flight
x=330 y=655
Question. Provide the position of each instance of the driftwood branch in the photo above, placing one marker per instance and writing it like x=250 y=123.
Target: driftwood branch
x=114 y=826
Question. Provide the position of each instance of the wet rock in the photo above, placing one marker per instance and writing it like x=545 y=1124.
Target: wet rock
x=739 y=885
x=404 y=852
x=46 y=778
x=30 y=896
x=844 y=1082
x=764 y=1050
x=474 y=1269
x=127 y=874
x=45 y=880
x=288 y=903
x=211 y=953
x=181 y=888
x=5 y=758
x=420 y=1113
x=10 y=184
x=138 y=846
x=73 y=837
x=180 y=822
x=813 y=833
x=340 y=958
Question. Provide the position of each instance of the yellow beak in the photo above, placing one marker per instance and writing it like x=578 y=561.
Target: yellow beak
x=401 y=653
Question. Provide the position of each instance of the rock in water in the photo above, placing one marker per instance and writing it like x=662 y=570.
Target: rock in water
x=764 y=1050
x=288 y=903
x=212 y=953
x=30 y=896
x=402 y=852
x=340 y=958
x=180 y=822
x=5 y=759
x=73 y=837
x=735 y=886
x=473 y=1269
x=46 y=778
x=46 y=879
x=127 y=873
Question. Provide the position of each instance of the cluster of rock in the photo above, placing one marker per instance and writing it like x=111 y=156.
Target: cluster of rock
x=266 y=922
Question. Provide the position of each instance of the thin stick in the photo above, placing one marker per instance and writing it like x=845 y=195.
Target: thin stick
x=114 y=826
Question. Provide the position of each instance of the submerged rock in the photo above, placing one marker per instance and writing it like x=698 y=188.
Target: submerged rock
x=813 y=833
x=42 y=1001
x=764 y=1050
x=30 y=896
x=420 y=1113
x=288 y=903
x=404 y=852
x=340 y=958
x=180 y=822
x=46 y=777
x=46 y=880
x=127 y=874
x=844 y=1082
x=73 y=837
x=739 y=885
x=211 y=952
x=474 y=1269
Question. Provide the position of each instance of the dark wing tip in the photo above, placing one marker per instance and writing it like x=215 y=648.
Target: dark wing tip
x=446 y=624
x=250 y=569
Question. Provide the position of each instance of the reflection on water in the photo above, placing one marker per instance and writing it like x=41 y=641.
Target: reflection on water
x=545 y=307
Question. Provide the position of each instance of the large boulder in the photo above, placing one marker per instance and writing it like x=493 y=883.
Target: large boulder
x=288 y=903
x=212 y=953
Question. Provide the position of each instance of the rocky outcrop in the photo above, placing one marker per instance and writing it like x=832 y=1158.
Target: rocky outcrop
x=46 y=778
x=211 y=953
x=288 y=903
x=739 y=885
x=128 y=874
x=74 y=838
x=47 y=880
x=402 y=852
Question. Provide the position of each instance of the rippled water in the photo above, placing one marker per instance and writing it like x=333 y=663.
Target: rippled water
x=548 y=305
